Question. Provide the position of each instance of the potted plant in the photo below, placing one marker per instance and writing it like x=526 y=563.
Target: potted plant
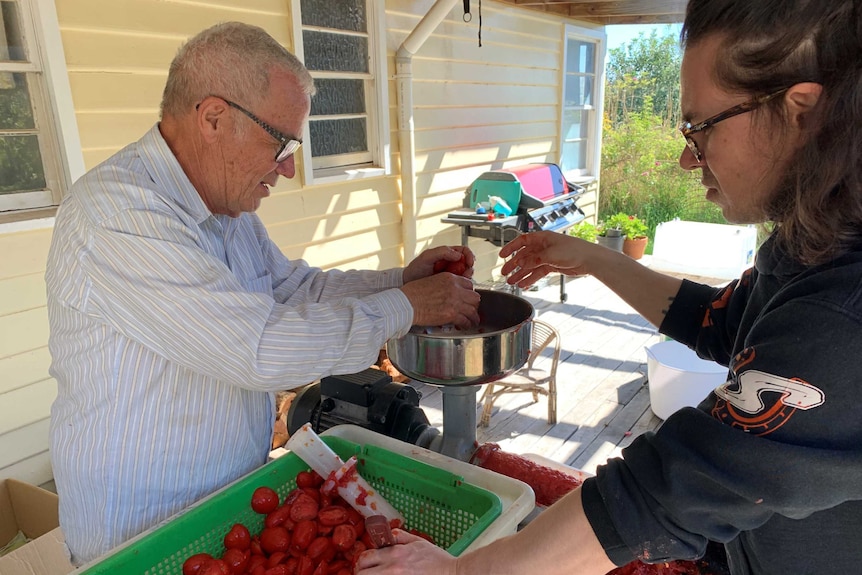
x=610 y=232
x=584 y=230
x=635 y=243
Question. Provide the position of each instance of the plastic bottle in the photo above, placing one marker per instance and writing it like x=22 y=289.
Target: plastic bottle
x=500 y=206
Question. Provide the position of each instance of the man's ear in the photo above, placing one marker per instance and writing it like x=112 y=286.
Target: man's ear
x=211 y=117
x=800 y=100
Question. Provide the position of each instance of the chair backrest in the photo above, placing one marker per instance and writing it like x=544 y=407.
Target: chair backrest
x=544 y=334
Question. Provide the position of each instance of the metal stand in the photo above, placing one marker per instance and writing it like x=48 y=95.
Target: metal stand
x=459 y=422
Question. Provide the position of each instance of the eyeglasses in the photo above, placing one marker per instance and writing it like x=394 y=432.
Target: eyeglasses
x=289 y=145
x=687 y=128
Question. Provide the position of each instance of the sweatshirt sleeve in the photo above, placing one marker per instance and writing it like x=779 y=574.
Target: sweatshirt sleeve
x=707 y=318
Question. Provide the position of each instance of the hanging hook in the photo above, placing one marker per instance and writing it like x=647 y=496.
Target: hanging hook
x=467 y=16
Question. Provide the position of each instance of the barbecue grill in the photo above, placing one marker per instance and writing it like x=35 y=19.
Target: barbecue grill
x=539 y=195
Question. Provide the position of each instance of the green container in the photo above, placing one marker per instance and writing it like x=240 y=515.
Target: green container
x=431 y=499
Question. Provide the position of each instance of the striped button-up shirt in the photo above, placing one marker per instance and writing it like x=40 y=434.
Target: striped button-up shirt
x=171 y=328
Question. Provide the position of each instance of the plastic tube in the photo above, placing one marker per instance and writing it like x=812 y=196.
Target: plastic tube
x=341 y=476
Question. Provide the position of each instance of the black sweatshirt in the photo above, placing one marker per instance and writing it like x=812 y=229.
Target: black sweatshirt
x=770 y=463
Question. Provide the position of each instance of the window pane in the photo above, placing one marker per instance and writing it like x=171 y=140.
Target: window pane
x=335 y=52
x=340 y=14
x=575 y=125
x=338 y=97
x=574 y=156
x=580 y=57
x=330 y=137
x=16 y=113
x=11 y=40
x=20 y=164
x=579 y=90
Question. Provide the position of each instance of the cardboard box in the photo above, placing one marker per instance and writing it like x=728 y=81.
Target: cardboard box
x=33 y=510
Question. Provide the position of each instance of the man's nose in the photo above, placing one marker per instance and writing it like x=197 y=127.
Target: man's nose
x=687 y=161
x=287 y=168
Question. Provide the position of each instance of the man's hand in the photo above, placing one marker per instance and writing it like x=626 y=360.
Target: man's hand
x=444 y=258
x=536 y=255
x=441 y=299
x=412 y=555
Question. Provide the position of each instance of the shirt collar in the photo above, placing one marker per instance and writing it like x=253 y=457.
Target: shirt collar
x=168 y=174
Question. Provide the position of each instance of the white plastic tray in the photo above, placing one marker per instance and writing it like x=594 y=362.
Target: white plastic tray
x=516 y=496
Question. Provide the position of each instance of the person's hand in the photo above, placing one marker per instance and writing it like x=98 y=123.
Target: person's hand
x=424 y=264
x=441 y=299
x=412 y=555
x=537 y=254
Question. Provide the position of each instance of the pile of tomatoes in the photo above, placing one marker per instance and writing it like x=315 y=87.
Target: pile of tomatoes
x=309 y=533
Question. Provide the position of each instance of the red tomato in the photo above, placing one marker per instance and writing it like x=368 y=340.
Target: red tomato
x=194 y=564
x=332 y=515
x=344 y=537
x=278 y=517
x=318 y=548
x=255 y=546
x=458 y=267
x=237 y=538
x=264 y=500
x=276 y=558
x=274 y=539
x=237 y=560
x=303 y=508
x=304 y=534
x=304 y=479
x=254 y=561
x=305 y=566
x=277 y=570
x=215 y=567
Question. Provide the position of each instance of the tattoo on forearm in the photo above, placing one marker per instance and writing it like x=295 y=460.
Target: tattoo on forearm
x=669 y=302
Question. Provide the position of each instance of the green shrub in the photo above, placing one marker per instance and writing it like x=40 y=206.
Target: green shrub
x=584 y=230
x=641 y=175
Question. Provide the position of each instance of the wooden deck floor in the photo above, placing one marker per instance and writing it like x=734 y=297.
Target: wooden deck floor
x=603 y=398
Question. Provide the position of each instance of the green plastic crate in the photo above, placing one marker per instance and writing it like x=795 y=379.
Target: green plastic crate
x=431 y=499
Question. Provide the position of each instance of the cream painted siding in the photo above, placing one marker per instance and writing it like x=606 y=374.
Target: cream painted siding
x=26 y=390
x=478 y=108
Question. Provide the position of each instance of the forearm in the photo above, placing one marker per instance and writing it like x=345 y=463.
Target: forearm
x=649 y=292
x=560 y=540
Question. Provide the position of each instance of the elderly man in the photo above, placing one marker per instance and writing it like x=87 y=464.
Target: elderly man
x=173 y=316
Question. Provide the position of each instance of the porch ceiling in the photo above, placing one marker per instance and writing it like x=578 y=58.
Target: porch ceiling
x=611 y=11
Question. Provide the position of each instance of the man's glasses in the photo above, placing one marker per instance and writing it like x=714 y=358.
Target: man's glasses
x=289 y=146
x=687 y=128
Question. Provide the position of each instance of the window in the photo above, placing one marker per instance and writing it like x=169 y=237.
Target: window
x=340 y=42
x=32 y=175
x=583 y=78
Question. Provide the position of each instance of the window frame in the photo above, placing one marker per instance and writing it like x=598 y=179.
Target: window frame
x=54 y=114
x=594 y=128
x=376 y=98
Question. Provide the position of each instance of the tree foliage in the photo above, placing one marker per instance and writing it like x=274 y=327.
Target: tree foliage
x=640 y=141
x=644 y=73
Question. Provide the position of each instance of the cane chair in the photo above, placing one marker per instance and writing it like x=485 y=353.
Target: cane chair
x=530 y=378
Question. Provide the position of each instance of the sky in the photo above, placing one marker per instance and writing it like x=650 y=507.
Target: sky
x=625 y=33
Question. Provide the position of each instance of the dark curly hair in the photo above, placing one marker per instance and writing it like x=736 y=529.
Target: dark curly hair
x=768 y=45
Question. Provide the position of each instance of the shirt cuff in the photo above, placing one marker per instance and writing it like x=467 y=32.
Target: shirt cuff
x=691 y=301
x=603 y=527
x=395 y=309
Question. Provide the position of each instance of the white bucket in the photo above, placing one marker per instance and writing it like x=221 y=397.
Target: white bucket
x=679 y=378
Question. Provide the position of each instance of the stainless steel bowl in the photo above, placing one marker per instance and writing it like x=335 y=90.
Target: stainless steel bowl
x=496 y=348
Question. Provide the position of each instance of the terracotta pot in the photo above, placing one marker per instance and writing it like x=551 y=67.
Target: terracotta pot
x=635 y=248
